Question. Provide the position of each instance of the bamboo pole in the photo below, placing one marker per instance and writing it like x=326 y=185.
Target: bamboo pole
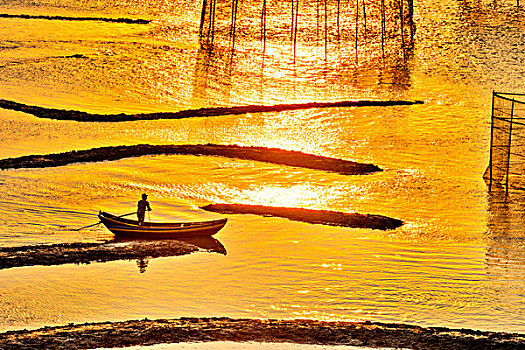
x=383 y=27
x=203 y=16
x=232 y=18
x=508 y=152
x=402 y=20
x=233 y=26
x=356 y=26
x=411 y=20
x=210 y=23
x=364 y=14
x=325 y=30
x=263 y=25
x=211 y=28
x=338 y=27
x=292 y=26
x=295 y=29
x=318 y=2
x=491 y=142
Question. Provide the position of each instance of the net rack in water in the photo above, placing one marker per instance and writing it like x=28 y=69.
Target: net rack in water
x=507 y=142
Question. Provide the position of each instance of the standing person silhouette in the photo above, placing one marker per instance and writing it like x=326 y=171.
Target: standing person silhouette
x=142 y=205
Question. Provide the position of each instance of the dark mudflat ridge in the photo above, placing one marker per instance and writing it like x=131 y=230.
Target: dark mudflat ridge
x=85 y=253
x=62 y=114
x=67 y=18
x=149 y=332
x=37 y=60
x=261 y=154
x=325 y=217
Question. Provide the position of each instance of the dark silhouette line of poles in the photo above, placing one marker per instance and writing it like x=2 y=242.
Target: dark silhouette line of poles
x=233 y=26
x=338 y=16
x=356 y=27
x=318 y=3
x=211 y=24
x=406 y=14
x=325 y=30
x=295 y=28
x=402 y=22
x=383 y=27
x=263 y=25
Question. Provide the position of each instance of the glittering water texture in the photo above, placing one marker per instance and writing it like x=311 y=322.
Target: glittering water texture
x=459 y=259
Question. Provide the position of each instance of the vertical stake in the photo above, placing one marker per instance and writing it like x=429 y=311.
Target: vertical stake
x=295 y=29
x=338 y=15
x=233 y=26
x=263 y=25
x=356 y=25
x=383 y=27
x=402 y=19
x=364 y=14
x=508 y=153
x=318 y=23
x=491 y=141
x=411 y=20
x=213 y=6
x=203 y=16
x=325 y=30
x=291 y=28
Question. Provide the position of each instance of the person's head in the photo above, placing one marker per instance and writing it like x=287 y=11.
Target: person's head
x=144 y=196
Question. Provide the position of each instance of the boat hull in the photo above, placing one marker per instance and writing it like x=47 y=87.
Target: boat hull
x=126 y=228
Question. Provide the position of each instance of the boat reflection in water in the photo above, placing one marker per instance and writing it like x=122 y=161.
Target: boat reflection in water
x=205 y=243
x=198 y=234
x=208 y=243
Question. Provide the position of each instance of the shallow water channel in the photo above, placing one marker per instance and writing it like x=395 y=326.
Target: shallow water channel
x=458 y=260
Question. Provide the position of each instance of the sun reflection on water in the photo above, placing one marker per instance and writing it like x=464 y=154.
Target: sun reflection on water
x=300 y=195
x=457 y=260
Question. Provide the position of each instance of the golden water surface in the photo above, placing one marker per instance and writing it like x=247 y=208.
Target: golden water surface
x=459 y=259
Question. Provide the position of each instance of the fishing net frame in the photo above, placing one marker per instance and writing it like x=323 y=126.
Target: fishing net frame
x=507 y=142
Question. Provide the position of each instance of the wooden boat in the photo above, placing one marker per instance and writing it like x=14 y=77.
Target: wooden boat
x=155 y=230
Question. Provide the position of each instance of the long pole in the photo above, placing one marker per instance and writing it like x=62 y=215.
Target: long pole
x=411 y=20
x=491 y=142
x=364 y=14
x=383 y=27
x=508 y=153
x=203 y=16
x=211 y=28
x=292 y=26
x=295 y=29
x=356 y=25
x=98 y=223
x=318 y=24
x=234 y=23
x=402 y=18
x=338 y=15
x=232 y=20
x=325 y=30
x=263 y=25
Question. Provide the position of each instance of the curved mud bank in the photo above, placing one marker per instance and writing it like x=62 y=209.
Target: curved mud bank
x=67 y=18
x=86 y=253
x=261 y=154
x=149 y=332
x=325 y=217
x=62 y=114
x=38 y=60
